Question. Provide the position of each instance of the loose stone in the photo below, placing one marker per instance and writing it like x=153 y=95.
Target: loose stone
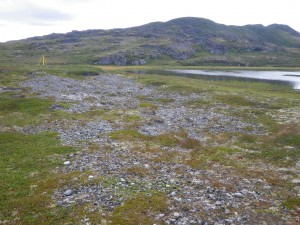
x=68 y=192
x=66 y=163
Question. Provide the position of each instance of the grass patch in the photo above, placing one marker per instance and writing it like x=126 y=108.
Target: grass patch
x=203 y=157
x=32 y=106
x=22 y=111
x=288 y=135
x=25 y=161
x=168 y=157
x=199 y=103
x=141 y=209
x=279 y=148
x=137 y=170
x=132 y=118
x=275 y=155
x=169 y=140
x=190 y=143
x=235 y=100
x=292 y=203
x=148 y=105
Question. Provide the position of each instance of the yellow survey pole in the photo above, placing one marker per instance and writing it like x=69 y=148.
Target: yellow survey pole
x=42 y=61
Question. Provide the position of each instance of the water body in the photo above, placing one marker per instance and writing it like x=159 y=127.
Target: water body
x=284 y=76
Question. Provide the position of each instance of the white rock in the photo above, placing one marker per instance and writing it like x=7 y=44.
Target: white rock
x=172 y=181
x=267 y=187
x=238 y=194
x=146 y=166
x=244 y=191
x=176 y=214
x=91 y=177
x=196 y=181
x=66 y=163
x=68 y=192
x=296 y=181
x=218 y=203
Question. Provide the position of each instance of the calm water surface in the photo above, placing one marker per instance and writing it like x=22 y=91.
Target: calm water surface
x=291 y=77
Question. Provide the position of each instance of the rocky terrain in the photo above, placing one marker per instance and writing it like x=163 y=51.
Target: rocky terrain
x=132 y=138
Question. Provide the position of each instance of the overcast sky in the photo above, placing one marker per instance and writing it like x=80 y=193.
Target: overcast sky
x=27 y=18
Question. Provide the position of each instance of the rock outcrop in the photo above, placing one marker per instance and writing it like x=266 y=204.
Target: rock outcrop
x=178 y=51
x=116 y=59
x=139 y=62
x=187 y=40
x=215 y=48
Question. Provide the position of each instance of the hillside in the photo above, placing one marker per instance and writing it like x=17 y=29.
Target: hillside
x=182 y=41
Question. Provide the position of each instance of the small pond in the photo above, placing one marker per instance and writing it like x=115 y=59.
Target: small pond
x=283 y=76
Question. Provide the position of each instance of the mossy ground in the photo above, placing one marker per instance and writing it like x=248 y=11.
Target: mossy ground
x=27 y=161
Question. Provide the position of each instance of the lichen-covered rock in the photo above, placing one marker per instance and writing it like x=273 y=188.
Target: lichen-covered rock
x=116 y=59
x=139 y=62
x=215 y=48
x=178 y=51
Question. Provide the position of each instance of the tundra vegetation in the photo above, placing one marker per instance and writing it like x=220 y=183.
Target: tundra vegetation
x=32 y=170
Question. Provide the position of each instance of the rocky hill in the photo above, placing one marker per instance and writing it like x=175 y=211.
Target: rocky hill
x=185 y=41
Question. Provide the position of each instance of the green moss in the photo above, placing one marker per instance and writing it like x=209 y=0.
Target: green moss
x=148 y=105
x=26 y=160
x=279 y=148
x=292 y=203
x=169 y=140
x=139 y=171
x=235 y=100
x=203 y=157
x=199 y=103
x=190 y=143
x=22 y=111
x=33 y=106
x=247 y=138
x=140 y=209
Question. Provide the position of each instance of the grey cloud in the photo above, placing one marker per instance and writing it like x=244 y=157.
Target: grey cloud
x=34 y=15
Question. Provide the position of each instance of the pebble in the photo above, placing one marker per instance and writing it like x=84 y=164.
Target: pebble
x=238 y=194
x=66 y=163
x=176 y=214
x=146 y=166
x=244 y=191
x=68 y=192
x=172 y=181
